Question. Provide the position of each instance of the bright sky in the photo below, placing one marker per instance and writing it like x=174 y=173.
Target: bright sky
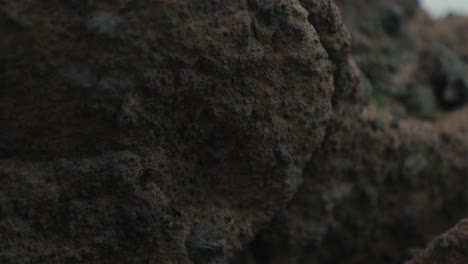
x=443 y=7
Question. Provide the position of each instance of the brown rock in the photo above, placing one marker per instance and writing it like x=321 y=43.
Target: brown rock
x=156 y=131
x=176 y=131
x=450 y=248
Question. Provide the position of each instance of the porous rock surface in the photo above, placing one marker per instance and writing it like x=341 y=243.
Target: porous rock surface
x=383 y=183
x=375 y=192
x=451 y=247
x=208 y=132
x=155 y=131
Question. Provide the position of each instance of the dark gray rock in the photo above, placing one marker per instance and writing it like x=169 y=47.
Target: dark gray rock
x=392 y=17
x=447 y=75
x=205 y=242
x=421 y=100
x=78 y=77
x=414 y=164
x=105 y=25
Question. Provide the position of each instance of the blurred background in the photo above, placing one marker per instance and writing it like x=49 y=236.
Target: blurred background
x=438 y=8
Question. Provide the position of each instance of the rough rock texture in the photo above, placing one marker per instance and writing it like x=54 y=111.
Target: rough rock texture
x=154 y=131
x=377 y=190
x=451 y=247
x=178 y=132
x=383 y=183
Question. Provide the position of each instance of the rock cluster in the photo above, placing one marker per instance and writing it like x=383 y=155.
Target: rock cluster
x=223 y=131
x=414 y=63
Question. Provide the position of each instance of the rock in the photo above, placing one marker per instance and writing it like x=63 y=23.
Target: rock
x=78 y=77
x=111 y=159
x=115 y=84
x=413 y=165
x=189 y=131
x=410 y=7
x=421 y=100
x=390 y=46
x=205 y=242
x=282 y=154
x=360 y=198
x=382 y=44
x=392 y=17
x=449 y=248
x=377 y=123
x=447 y=75
x=451 y=31
x=105 y=25
x=365 y=89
